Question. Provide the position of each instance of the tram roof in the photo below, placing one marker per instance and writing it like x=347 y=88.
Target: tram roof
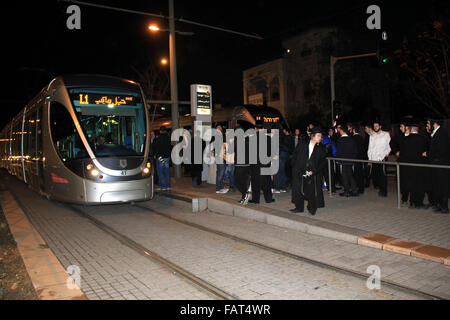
x=96 y=80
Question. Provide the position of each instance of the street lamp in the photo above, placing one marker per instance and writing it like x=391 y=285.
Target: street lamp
x=163 y=61
x=153 y=27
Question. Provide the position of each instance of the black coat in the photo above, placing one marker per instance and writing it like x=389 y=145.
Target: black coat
x=300 y=164
x=412 y=148
x=346 y=148
x=440 y=148
x=162 y=146
x=359 y=141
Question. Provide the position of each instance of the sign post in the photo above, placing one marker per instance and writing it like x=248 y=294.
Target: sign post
x=201 y=106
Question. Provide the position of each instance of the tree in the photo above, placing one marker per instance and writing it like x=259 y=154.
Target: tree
x=155 y=82
x=426 y=61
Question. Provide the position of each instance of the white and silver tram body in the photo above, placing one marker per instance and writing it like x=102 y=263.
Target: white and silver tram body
x=82 y=139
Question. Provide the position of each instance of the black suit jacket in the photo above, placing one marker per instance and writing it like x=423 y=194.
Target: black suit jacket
x=440 y=148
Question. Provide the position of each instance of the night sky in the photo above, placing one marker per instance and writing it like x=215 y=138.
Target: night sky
x=37 y=46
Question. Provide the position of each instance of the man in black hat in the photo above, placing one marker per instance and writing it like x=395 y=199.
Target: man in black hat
x=346 y=148
x=439 y=154
x=308 y=163
x=413 y=149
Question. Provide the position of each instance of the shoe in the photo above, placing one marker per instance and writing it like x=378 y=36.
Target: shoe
x=338 y=188
x=253 y=201
x=270 y=201
x=276 y=191
x=344 y=194
x=296 y=210
x=312 y=212
x=442 y=211
x=244 y=199
x=436 y=209
x=283 y=191
x=224 y=190
x=354 y=194
x=405 y=204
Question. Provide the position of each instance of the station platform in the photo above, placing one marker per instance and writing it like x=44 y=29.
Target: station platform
x=366 y=220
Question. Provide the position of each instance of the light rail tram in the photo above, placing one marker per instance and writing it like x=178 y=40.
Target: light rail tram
x=83 y=139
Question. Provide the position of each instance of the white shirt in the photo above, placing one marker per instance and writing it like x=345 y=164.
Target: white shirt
x=311 y=149
x=434 y=131
x=379 y=146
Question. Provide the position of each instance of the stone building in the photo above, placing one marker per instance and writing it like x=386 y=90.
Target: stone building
x=298 y=83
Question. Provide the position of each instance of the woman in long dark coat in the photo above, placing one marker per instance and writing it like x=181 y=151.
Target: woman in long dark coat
x=307 y=173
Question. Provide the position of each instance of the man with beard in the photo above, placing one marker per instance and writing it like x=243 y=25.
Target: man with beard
x=308 y=163
x=439 y=154
x=379 y=150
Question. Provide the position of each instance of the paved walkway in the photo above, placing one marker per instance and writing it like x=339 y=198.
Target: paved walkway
x=367 y=212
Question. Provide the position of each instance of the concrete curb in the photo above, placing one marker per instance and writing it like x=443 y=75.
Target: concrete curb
x=47 y=274
x=311 y=226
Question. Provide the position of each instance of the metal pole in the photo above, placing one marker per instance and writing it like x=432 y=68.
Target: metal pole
x=332 y=88
x=398 y=187
x=173 y=79
x=329 y=178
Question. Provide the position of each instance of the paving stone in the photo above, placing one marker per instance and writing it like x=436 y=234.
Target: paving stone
x=375 y=240
x=402 y=246
x=432 y=253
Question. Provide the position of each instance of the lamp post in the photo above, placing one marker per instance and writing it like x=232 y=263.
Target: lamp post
x=173 y=74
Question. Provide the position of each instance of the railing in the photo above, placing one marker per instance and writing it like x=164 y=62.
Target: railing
x=397 y=164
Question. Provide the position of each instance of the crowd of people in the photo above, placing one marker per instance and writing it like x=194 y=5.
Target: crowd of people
x=303 y=165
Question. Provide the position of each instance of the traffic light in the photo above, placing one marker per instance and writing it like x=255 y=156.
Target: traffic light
x=384 y=51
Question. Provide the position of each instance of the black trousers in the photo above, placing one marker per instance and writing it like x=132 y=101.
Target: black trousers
x=358 y=170
x=348 y=180
x=379 y=177
x=440 y=186
x=367 y=174
x=413 y=184
x=196 y=173
x=259 y=182
x=304 y=190
x=241 y=178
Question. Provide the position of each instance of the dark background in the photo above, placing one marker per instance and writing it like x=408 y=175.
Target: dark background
x=37 y=46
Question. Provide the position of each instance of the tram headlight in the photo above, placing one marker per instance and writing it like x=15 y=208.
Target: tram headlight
x=146 y=171
x=94 y=172
x=149 y=165
x=90 y=166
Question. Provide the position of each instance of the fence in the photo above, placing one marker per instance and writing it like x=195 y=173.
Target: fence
x=397 y=164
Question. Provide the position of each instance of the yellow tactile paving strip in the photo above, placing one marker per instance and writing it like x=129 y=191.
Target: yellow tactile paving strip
x=48 y=276
x=406 y=247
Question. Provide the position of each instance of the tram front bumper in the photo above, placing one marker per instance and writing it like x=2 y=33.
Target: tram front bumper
x=117 y=192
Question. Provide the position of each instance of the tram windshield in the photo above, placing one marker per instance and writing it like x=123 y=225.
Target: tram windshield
x=113 y=121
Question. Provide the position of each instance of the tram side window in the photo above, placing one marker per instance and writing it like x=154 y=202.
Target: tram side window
x=26 y=133
x=64 y=134
x=39 y=134
x=16 y=143
x=31 y=150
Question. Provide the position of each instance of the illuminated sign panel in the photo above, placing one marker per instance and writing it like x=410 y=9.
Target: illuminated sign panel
x=105 y=99
x=267 y=119
x=201 y=100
